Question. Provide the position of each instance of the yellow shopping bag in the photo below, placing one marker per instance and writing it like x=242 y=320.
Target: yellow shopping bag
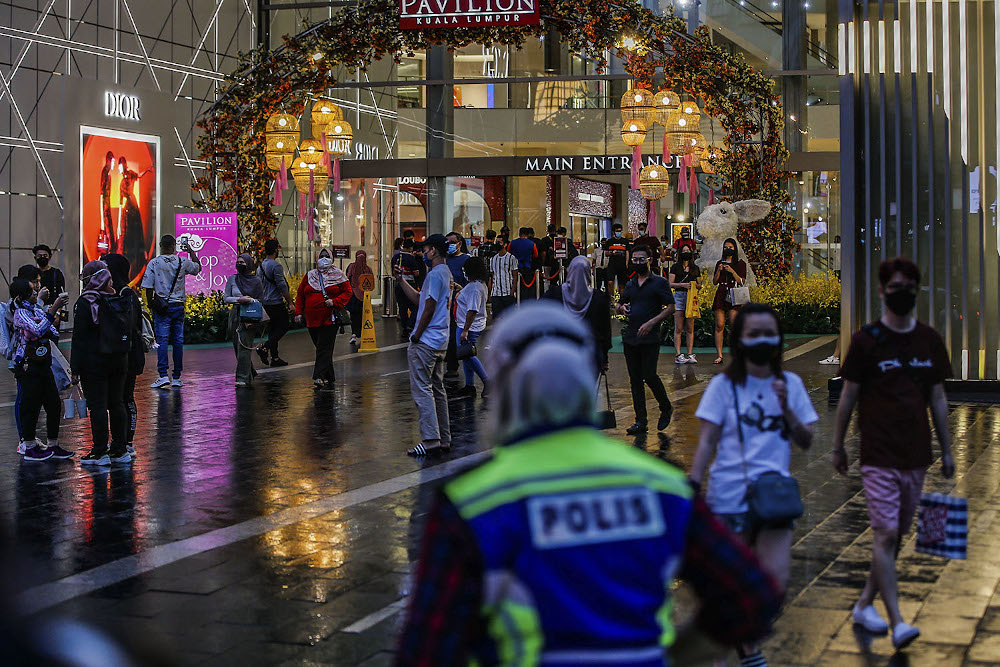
x=692 y=306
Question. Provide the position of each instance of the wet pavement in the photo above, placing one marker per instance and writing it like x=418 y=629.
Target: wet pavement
x=278 y=525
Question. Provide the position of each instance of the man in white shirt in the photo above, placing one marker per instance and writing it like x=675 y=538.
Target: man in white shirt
x=503 y=278
x=165 y=294
x=428 y=345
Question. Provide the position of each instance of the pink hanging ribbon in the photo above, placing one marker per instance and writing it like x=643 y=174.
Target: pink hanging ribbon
x=277 y=192
x=711 y=196
x=651 y=219
x=325 y=160
x=682 y=181
x=636 y=161
x=336 y=174
x=310 y=218
x=693 y=187
x=666 y=152
x=283 y=175
x=302 y=206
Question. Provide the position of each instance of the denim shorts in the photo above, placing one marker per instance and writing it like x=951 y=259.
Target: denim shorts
x=741 y=524
x=680 y=300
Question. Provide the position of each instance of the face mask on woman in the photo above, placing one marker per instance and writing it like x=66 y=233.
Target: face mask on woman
x=728 y=253
x=761 y=350
x=452 y=248
x=685 y=257
x=242 y=268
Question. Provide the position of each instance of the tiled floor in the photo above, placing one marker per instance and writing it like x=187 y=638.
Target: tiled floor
x=278 y=525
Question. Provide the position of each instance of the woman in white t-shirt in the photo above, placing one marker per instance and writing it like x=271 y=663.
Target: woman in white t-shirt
x=470 y=317
x=774 y=410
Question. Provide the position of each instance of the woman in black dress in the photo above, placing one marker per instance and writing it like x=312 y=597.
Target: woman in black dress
x=132 y=243
x=730 y=271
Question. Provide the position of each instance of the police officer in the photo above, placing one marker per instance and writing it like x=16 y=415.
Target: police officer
x=562 y=548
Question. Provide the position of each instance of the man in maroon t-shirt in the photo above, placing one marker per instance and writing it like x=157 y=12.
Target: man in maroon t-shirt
x=894 y=371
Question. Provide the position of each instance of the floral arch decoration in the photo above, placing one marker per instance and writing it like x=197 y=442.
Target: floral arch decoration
x=657 y=51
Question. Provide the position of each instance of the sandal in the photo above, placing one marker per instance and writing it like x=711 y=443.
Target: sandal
x=718 y=360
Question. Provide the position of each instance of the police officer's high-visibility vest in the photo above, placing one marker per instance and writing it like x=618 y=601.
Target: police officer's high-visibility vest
x=581 y=536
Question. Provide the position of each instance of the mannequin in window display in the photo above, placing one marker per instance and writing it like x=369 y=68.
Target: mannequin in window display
x=105 y=240
x=132 y=243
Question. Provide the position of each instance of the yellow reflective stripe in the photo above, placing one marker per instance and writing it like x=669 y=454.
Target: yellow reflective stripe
x=517 y=631
x=663 y=617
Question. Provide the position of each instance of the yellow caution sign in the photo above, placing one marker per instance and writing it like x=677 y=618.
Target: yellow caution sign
x=367 y=284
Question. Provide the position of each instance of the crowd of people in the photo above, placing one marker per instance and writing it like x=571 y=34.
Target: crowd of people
x=544 y=361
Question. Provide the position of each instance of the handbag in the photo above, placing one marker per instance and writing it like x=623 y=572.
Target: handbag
x=161 y=303
x=943 y=529
x=773 y=499
x=252 y=312
x=739 y=296
x=606 y=418
x=466 y=350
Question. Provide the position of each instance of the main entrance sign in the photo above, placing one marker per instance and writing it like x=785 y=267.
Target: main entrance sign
x=421 y=14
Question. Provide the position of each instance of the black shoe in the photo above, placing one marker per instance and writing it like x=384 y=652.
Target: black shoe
x=262 y=353
x=451 y=374
x=664 y=420
x=636 y=429
x=278 y=362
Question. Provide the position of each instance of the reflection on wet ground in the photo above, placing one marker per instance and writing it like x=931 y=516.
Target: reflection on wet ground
x=279 y=524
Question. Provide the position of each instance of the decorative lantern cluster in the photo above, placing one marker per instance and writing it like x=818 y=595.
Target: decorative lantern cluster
x=331 y=135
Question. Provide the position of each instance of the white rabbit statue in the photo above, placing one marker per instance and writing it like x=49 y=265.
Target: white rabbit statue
x=721 y=221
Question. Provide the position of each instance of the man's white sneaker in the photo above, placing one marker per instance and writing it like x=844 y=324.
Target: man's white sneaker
x=680 y=359
x=161 y=382
x=691 y=359
x=903 y=635
x=869 y=619
x=21 y=448
x=177 y=383
x=830 y=361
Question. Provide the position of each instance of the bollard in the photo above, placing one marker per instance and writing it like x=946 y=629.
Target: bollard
x=389 y=306
x=538 y=284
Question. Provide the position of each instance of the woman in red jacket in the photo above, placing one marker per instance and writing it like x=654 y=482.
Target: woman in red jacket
x=324 y=291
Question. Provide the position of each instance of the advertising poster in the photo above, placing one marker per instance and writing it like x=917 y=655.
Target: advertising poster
x=213 y=236
x=119 y=196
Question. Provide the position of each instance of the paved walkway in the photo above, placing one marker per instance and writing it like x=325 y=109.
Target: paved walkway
x=278 y=526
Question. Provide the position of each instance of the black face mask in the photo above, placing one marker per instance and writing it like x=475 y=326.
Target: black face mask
x=901 y=302
x=243 y=268
x=42 y=261
x=685 y=257
x=761 y=350
x=728 y=252
x=641 y=269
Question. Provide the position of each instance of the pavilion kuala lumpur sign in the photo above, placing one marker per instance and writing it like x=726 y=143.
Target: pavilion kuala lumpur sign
x=420 y=14
x=213 y=236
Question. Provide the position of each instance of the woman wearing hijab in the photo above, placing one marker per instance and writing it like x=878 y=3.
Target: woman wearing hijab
x=243 y=289
x=119 y=267
x=357 y=268
x=102 y=371
x=590 y=305
x=324 y=291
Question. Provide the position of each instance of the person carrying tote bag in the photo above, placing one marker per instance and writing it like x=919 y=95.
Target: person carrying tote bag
x=750 y=414
x=244 y=290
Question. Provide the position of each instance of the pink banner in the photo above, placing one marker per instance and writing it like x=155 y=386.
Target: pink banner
x=213 y=236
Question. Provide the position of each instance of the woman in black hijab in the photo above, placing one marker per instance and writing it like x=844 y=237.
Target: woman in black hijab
x=244 y=290
x=120 y=269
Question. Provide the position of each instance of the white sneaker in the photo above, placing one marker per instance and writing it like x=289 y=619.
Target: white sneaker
x=680 y=359
x=177 y=383
x=904 y=634
x=161 y=382
x=21 y=448
x=830 y=361
x=354 y=340
x=869 y=619
x=691 y=359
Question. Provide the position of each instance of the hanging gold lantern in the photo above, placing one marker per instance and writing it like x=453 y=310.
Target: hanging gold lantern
x=708 y=156
x=654 y=181
x=687 y=143
x=637 y=104
x=690 y=107
x=634 y=133
x=338 y=137
x=281 y=133
x=324 y=112
x=678 y=121
x=665 y=102
x=301 y=172
x=310 y=152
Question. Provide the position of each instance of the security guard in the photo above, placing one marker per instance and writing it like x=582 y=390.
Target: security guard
x=617 y=249
x=562 y=548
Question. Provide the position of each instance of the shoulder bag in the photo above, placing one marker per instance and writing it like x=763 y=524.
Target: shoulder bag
x=252 y=312
x=161 y=303
x=606 y=418
x=773 y=499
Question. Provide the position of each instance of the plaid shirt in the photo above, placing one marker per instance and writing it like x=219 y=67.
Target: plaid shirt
x=444 y=623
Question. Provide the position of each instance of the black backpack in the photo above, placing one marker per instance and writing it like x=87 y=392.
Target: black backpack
x=116 y=324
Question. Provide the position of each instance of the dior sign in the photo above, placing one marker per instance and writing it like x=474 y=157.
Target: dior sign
x=117 y=105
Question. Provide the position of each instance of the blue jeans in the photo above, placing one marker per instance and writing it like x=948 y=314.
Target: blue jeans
x=169 y=329
x=472 y=366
